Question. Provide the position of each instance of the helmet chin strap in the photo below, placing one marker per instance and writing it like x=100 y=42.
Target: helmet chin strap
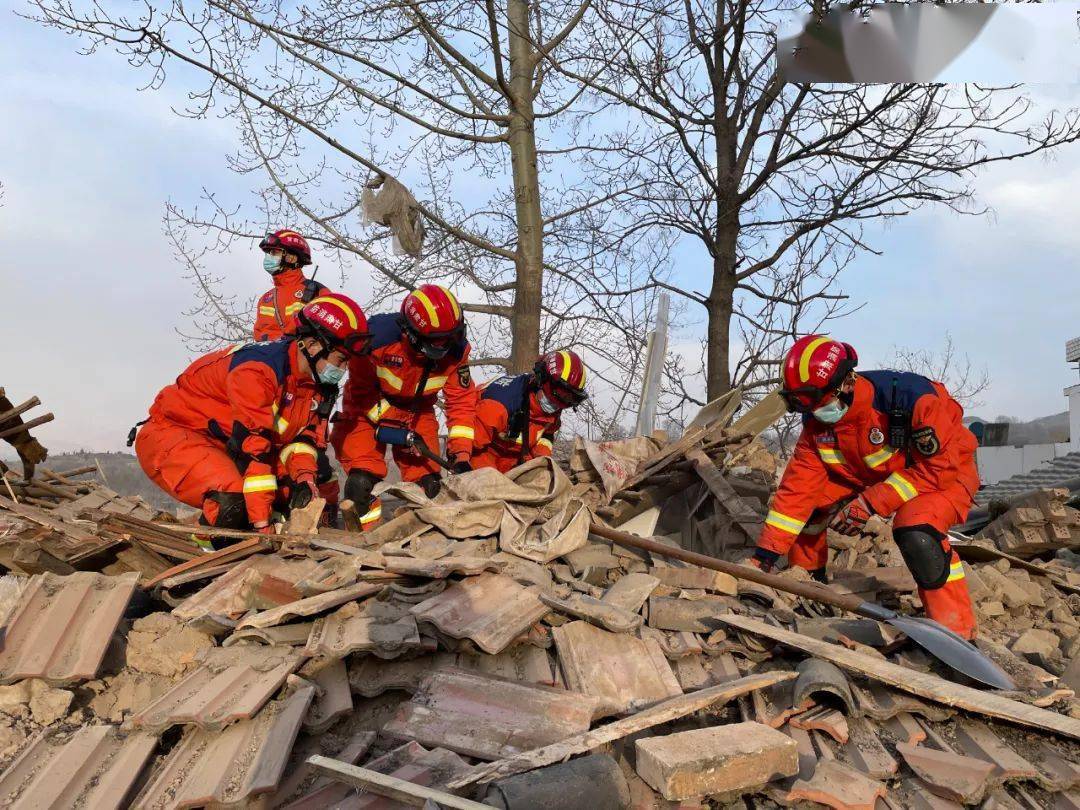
x=313 y=359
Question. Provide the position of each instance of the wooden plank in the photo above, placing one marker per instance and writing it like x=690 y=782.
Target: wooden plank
x=767 y=410
x=233 y=553
x=745 y=517
x=663 y=712
x=43 y=518
x=389 y=786
x=923 y=684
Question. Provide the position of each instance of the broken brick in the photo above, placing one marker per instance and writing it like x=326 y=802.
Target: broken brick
x=835 y=784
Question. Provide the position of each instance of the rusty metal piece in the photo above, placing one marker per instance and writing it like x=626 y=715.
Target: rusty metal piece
x=233 y=767
x=92 y=767
x=233 y=683
x=62 y=626
x=489 y=718
x=491 y=610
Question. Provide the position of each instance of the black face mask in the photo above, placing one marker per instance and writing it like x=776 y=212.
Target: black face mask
x=847 y=397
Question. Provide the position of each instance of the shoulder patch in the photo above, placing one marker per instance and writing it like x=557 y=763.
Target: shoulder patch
x=925 y=441
x=464 y=375
x=273 y=353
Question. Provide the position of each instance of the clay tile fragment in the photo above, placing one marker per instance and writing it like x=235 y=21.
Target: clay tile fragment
x=824 y=683
x=824 y=719
x=835 y=784
x=951 y=776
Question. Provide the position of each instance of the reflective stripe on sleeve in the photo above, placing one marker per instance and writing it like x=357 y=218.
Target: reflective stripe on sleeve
x=956 y=571
x=297 y=447
x=830 y=455
x=434 y=384
x=292 y=309
x=784 y=523
x=904 y=488
x=281 y=424
x=267 y=311
x=543 y=441
x=371 y=515
x=260 y=483
x=880 y=457
x=462 y=432
x=389 y=377
x=377 y=410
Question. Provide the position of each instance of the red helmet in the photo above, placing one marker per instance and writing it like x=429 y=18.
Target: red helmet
x=337 y=321
x=290 y=242
x=814 y=368
x=561 y=375
x=432 y=320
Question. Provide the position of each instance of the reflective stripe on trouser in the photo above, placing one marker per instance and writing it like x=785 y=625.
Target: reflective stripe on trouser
x=370 y=519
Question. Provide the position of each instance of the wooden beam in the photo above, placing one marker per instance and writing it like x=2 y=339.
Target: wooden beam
x=745 y=518
x=33 y=423
x=391 y=787
x=663 y=712
x=923 y=684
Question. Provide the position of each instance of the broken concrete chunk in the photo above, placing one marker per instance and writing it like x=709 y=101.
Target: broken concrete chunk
x=160 y=644
x=47 y=705
x=722 y=759
x=1036 y=642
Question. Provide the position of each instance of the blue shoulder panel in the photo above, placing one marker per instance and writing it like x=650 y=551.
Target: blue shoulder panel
x=384 y=330
x=508 y=391
x=909 y=388
x=271 y=353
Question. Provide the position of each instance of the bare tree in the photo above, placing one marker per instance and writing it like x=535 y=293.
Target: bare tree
x=964 y=380
x=769 y=186
x=457 y=99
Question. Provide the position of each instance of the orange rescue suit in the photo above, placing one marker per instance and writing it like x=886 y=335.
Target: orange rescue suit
x=275 y=316
x=233 y=421
x=398 y=386
x=931 y=482
x=511 y=428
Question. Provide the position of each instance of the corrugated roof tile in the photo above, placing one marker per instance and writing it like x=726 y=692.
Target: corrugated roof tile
x=233 y=683
x=491 y=609
x=94 y=767
x=62 y=626
x=489 y=718
x=229 y=768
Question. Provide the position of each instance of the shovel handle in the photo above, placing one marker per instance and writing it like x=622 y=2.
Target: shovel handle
x=427 y=452
x=808 y=590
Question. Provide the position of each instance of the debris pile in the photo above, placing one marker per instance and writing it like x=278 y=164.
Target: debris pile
x=485 y=646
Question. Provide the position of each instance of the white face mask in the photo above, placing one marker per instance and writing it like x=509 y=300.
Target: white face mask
x=546 y=405
x=832 y=413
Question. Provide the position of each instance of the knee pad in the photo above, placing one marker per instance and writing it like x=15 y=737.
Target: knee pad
x=358 y=488
x=231 y=510
x=431 y=484
x=922 y=551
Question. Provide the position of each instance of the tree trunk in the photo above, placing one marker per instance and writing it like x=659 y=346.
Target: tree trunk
x=719 y=305
x=529 y=263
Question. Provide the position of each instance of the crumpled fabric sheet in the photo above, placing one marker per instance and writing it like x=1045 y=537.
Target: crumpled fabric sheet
x=615 y=462
x=395 y=207
x=531 y=509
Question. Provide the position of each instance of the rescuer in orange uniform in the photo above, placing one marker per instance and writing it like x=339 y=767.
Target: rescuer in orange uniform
x=390 y=398
x=240 y=428
x=889 y=443
x=286 y=253
x=518 y=416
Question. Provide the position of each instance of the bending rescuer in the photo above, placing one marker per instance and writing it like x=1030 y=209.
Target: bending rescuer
x=889 y=443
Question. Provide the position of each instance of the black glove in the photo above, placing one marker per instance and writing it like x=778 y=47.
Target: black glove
x=461 y=467
x=303 y=492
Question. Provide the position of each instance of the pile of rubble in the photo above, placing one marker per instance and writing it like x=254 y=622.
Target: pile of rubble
x=485 y=646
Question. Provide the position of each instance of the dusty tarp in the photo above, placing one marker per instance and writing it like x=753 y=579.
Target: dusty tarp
x=531 y=509
x=615 y=462
x=394 y=206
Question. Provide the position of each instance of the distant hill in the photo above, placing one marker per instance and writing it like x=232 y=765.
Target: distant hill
x=121 y=472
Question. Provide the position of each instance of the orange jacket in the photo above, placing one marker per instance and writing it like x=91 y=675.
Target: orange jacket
x=251 y=398
x=940 y=455
x=394 y=382
x=275 y=316
x=507 y=407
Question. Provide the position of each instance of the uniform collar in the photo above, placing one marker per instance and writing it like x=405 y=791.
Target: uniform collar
x=861 y=403
x=289 y=278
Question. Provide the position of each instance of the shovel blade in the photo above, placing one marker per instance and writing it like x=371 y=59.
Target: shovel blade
x=952 y=649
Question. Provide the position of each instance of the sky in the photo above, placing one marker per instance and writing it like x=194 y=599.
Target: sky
x=92 y=295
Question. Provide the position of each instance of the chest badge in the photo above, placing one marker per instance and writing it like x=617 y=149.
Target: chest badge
x=299 y=294
x=876 y=436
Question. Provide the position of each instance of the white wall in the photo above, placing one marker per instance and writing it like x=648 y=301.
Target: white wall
x=999 y=463
x=1073 y=393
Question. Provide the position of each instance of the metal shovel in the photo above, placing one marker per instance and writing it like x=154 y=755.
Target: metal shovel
x=936 y=639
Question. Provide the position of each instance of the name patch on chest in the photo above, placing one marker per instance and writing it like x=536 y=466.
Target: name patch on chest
x=395 y=360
